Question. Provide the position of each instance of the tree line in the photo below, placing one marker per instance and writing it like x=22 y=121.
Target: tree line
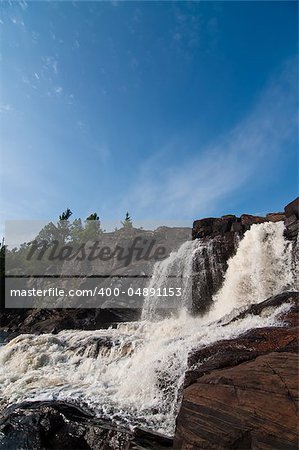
x=77 y=230
x=63 y=231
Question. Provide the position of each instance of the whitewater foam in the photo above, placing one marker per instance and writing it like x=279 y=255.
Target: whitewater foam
x=261 y=267
x=131 y=374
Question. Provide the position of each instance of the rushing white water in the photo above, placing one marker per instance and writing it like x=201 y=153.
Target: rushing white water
x=133 y=373
x=261 y=267
x=135 y=381
x=173 y=272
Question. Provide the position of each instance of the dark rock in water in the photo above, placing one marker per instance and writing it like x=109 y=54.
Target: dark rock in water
x=209 y=267
x=65 y=426
x=145 y=440
x=251 y=344
x=290 y=318
x=243 y=393
x=18 y=321
x=292 y=219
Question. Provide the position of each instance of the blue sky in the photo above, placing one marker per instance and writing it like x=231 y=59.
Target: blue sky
x=171 y=110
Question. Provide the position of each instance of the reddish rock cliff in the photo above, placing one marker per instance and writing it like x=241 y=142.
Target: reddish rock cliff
x=243 y=393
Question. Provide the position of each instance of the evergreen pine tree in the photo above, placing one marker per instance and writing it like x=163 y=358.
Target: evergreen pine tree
x=66 y=214
x=127 y=223
x=92 y=229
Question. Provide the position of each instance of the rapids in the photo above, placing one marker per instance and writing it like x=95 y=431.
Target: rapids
x=133 y=374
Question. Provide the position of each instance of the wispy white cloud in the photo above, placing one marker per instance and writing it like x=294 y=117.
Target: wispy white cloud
x=23 y=4
x=58 y=90
x=81 y=125
x=17 y=21
x=5 y=107
x=76 y=44
x=70 y=99
x=50 y=63
x=167 y=189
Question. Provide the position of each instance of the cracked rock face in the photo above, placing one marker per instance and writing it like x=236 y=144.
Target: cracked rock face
x=252 y=405
x=243 y=393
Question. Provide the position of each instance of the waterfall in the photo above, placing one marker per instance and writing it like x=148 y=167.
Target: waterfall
x=261 y=267
x=133 y=374
x=173 y=272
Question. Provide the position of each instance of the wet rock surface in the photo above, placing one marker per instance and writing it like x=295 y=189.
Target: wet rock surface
x=18 y=321
x=243 y=393
x=65 y=426
x=209 y=267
